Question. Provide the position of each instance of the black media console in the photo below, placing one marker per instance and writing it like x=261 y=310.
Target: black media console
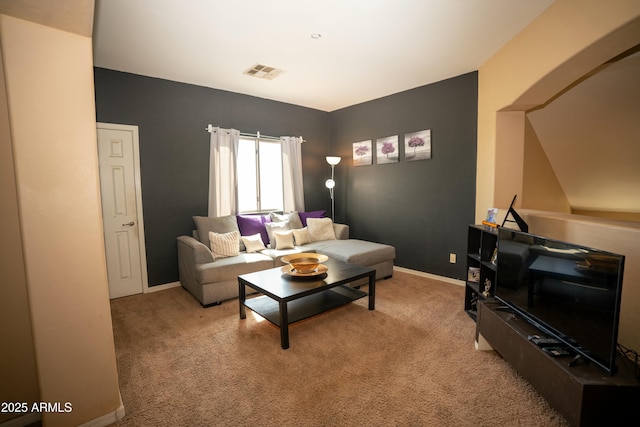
x=584 y=394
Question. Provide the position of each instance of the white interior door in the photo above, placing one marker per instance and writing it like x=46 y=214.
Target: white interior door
x=122 y=209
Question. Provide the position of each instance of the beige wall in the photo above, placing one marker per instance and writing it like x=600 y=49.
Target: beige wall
x=618 y=216
x=17 y=359
x=540 y=183
x=569 y=40
x=49 y=84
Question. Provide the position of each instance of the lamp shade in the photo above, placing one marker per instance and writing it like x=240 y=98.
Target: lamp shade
x=329 y=184
x=333 y=160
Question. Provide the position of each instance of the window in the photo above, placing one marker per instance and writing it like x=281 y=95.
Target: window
x=259 y=175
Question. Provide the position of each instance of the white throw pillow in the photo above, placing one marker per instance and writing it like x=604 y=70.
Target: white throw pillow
x=302 y=236
x=224 y=245
x=321 y=229
x=253 y=243
x=284 y=239
x=273 y=227
x=292 y=217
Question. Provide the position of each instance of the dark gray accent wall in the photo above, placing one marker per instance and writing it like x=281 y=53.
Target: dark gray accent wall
x=421 y=207
x=174 y=149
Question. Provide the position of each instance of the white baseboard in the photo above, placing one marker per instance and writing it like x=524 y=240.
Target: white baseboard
x=482 y=344
x=162 y=287
x=108 y=418
x=430 y=276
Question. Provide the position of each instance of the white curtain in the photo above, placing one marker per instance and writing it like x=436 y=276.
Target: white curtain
x=292 y=173
x=222 y=171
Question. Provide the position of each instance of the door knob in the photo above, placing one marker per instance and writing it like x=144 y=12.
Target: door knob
x=130 y=224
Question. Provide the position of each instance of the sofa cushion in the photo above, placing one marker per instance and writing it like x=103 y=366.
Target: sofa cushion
x=284 y=239
x=354 y=251
x=205 y=224
x=252 y=224
x=225 y=269
x=224 y=245
x=253 y=243
x=321 y=229
x=301 y=236
x=293 y=218
x=274 y=227
x=306 y=215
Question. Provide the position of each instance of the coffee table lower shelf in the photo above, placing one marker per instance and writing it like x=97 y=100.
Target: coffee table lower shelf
x=305 y=307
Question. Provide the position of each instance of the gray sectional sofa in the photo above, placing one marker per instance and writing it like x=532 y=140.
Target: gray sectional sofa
x=212 y=279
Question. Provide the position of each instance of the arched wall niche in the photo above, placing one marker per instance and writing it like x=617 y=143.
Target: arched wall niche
x=589 y=134
x=522 y=166
x=564 y=45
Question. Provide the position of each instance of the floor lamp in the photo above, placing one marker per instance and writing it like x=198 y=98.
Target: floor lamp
x=330 y=183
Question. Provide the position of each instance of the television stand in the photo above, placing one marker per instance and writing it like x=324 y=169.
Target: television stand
x=577 y=360
x=504 y=308
x=584 y=394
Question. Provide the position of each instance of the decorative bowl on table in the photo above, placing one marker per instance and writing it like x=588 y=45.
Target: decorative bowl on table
x=305 y=263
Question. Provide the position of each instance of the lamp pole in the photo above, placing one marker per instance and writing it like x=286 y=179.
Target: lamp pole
x=333 y=209
x=330 y=183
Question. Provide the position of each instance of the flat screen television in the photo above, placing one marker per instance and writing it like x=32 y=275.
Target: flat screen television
x=570 y=292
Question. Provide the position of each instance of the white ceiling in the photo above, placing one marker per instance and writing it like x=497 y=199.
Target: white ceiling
x=368 y=48
x=375 y=48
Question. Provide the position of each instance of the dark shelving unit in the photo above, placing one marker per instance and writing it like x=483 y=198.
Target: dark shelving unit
x=481 y=245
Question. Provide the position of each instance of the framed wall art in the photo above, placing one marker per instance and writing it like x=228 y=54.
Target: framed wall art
x=417 y=145
x=362 y=154
x=387 y=150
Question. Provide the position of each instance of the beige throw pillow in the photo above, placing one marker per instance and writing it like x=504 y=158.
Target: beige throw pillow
x=272 y=228
x=302 y=236
x=284 y=239
x=253 y=243
x=224 y=245
x=321 y=229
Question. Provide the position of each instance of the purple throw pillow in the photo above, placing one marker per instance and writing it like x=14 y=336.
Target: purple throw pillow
x=305 y=215
x=252 y=224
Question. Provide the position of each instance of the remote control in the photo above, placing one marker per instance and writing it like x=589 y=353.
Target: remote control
x=539 y=341
x=556 y=351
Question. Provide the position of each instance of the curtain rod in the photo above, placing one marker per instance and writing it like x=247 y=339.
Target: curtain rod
x=209 y=129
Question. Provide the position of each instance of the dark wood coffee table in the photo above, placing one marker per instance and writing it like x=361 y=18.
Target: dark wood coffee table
x=286 y=299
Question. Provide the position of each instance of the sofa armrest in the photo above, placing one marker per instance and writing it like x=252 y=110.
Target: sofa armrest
x=193 y=251
x=341 y=230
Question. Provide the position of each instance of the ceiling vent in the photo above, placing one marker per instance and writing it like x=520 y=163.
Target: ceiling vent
x=263 y=72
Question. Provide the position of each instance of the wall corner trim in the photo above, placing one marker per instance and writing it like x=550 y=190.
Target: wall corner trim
x=108 y=418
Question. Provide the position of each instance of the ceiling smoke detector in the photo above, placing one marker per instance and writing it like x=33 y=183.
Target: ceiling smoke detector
x=263 y=72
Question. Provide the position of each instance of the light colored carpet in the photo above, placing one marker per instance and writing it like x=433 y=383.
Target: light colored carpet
x=411 y=362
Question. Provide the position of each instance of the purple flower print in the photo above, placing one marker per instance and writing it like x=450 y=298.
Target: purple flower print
x=416 y=141
x=362 y=150
x=387 y=148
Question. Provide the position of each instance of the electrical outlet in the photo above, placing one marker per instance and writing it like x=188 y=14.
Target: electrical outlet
x=452 y=258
